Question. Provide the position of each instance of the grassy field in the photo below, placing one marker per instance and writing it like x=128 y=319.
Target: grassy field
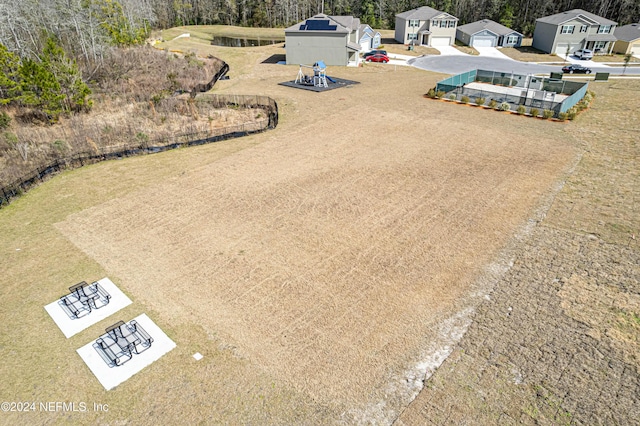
x=316 y=267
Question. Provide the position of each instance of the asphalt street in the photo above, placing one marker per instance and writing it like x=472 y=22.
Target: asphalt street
x=456 y=64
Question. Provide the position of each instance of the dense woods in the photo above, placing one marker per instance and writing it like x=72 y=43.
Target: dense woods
x=85 y=28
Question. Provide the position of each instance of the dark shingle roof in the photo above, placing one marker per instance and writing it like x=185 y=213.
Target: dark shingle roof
x=486 y=24
x=306 y=26
x=629 y=32
x=562 y=17
x=423 y=13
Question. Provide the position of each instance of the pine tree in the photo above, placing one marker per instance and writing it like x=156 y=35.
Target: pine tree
x=75 y=92
x=53 y=84
x=9 y=75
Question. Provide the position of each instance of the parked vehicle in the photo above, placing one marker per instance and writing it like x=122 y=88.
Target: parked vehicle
x=377 y=58
x=583 y=54
x=375 y=52
x=576 y=68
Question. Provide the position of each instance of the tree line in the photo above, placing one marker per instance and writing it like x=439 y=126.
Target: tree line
x=85 y=28
x=518 y=14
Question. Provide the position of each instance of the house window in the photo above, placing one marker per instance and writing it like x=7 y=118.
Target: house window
x=583 y=28
x=604 y=29
x=512 y=40
x=414 y=23
x=599 y=45
x=412 y=36
x=567 y=29
x=451 y=24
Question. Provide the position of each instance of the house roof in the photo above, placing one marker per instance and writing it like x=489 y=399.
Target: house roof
x=354 y=46
x=349 y=22
x=629 y=32
x=562 y=17
x=486 y=24
x=364 y=28
x=424 y=13
x=601 y=37
x=324 y=24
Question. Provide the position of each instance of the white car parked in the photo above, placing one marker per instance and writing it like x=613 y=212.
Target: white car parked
x=583 y=54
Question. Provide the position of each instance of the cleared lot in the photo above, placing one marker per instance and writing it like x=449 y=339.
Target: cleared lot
x=315 y=266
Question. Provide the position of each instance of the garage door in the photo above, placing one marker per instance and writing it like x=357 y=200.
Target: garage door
x=440 y=41
x=635 y=49
x=561 y=49
x=483 y=41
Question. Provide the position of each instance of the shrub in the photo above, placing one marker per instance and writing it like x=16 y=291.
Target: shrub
x=464 y=99
x=480 y=101
x=562 y=116
x=492 y=103
x=534 y=112
x=5 y=120
x=587 y=97
x=547 y=114
x=571 y=113
x=452 y=97
x=440 y=93
x=431 y=93
x=142 y=138
x=59 y=146
x=521 y=109
x=505 y=106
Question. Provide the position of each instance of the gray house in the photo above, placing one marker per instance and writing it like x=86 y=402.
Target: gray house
x=331 y=39
x=487 y=33
x=573 y=30
x=426 y=26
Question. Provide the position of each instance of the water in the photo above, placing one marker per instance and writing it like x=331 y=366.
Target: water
x=243 y=42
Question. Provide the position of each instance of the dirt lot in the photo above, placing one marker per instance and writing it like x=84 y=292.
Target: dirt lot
x=323 y=268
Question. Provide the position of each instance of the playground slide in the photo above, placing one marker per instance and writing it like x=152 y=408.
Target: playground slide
x=330 y=79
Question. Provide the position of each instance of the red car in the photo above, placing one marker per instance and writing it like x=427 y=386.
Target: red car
x=378 y=57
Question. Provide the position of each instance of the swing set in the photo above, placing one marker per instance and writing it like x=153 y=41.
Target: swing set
x=319 y=77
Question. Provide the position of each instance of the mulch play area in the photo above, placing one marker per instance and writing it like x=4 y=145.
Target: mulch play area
x=337 y=83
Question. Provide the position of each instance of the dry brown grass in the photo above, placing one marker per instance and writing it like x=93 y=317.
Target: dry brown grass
x=529 y=54
x=314 y=266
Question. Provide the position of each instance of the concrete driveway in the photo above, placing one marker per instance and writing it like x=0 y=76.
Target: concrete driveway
x=585 y=63
x=449 y=51
x=492 y=52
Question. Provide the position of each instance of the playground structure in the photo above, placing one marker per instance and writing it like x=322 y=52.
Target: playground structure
x=319 y=77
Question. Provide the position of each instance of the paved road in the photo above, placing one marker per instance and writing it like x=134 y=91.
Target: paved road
x=456 y=64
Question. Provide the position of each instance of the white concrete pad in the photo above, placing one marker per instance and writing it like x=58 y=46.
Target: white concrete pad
x=71 y=326
x=491 y=52
x=449 y=51
x=110 y=377
x=401 y=57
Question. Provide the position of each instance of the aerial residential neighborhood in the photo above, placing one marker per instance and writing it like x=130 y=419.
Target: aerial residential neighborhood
x=320 y=212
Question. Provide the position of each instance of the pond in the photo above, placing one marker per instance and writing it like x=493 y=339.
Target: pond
x=243 y=42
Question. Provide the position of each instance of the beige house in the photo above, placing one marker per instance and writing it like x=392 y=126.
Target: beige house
x=426 y=26
x=566 y=32
x=628 y=39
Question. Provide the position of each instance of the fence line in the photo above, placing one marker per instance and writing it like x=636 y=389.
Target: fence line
x=28 y=180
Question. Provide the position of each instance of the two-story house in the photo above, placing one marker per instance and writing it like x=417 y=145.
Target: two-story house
x=331 y=39
x=572 y=30
x=426 y=26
